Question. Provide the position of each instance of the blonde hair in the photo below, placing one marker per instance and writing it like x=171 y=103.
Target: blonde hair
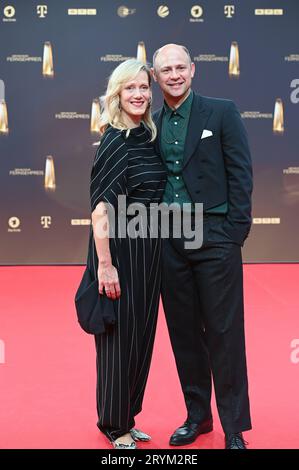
x=111 y=111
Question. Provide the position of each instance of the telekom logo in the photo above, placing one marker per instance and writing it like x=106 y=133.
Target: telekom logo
x=2 y=351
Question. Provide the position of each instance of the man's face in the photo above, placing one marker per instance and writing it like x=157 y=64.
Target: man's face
x=173 y=72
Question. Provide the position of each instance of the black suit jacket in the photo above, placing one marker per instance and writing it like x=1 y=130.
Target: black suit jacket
x=217 y=169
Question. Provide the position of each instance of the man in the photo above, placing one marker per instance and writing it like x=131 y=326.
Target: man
x=204 y=146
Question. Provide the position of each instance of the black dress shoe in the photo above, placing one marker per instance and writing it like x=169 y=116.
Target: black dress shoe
x=235 y=441
x=187 y=433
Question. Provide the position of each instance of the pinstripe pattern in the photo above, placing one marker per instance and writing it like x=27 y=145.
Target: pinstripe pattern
x=127 y=166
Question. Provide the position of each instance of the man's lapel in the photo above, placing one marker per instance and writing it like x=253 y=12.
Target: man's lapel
x=197 y=122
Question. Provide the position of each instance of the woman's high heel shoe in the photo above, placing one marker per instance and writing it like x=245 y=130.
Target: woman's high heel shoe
x=122 y=446
x=138 y=435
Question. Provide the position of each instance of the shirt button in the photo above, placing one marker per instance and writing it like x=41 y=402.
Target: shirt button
x=176 y=195
x=177 y=162
x=176 y=142
x=175 y=123
x=177 y=177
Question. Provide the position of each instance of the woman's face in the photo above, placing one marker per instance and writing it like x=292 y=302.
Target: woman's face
x=135 y=96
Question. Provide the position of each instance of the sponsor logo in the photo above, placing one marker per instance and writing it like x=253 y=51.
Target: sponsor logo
x=41 y=11
x=46 y=221
x=229 y=11
x=163 y=11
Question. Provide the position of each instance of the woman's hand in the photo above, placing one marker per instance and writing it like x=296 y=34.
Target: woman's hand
x=108 y=280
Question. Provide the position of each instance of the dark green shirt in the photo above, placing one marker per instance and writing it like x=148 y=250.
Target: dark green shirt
x=173 y=137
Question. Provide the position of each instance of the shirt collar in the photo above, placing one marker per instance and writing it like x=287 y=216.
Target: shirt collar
x=183 y=110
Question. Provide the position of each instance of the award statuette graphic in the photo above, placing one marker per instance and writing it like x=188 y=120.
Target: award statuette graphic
x=95 y=117
x=50 y=184
x=141 y=52
x=234 y=61
x=48 y=70
x=3 y=118
x=278 y=121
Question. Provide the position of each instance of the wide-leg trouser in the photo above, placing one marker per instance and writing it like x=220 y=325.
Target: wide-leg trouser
x=124 y=353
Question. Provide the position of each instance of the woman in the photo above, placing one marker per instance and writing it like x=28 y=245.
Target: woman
x=127 y=269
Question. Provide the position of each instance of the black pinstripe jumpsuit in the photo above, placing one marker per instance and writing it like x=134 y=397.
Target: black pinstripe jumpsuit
x=127 y=166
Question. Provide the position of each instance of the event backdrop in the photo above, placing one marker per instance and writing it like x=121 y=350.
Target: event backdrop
x=55 y=57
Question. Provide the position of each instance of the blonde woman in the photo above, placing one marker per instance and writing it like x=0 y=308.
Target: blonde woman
x=127 y=269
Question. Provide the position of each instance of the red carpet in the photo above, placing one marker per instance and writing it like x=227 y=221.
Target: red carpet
x=47 y=365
